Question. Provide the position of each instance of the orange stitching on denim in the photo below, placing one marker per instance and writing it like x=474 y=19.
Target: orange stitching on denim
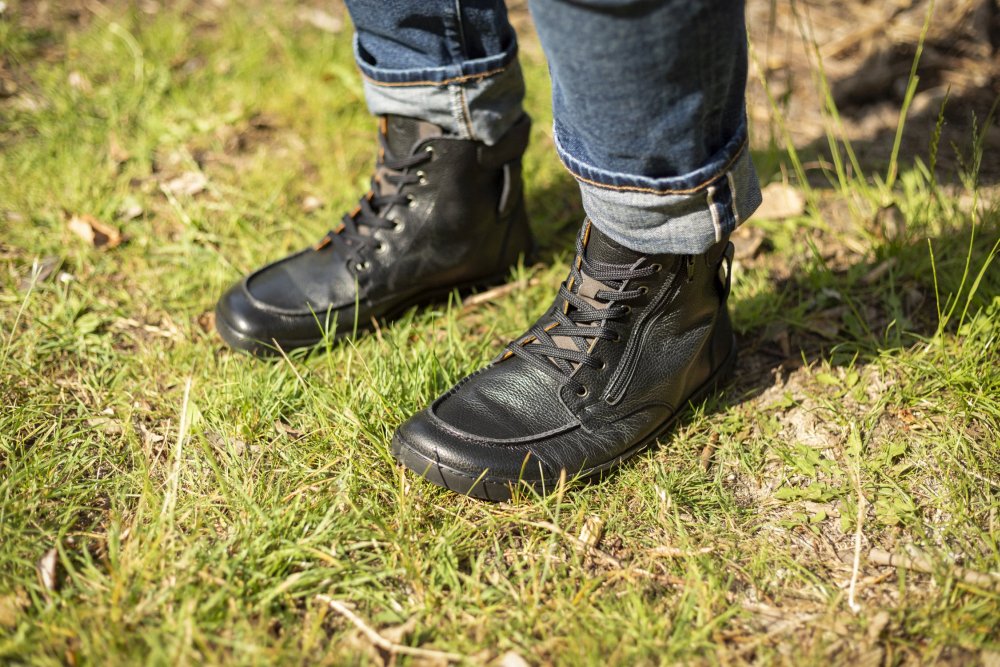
x=732 y=198
x=456 y=79
x=716 y=223
x=466 y=113
x=654 y=191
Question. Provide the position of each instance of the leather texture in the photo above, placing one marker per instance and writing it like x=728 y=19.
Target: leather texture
x=456 y=219
x=511 y=422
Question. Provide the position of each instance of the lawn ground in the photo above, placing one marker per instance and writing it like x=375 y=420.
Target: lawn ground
x=166 y=501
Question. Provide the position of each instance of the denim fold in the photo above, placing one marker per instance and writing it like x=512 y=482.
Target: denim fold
x=648 y=100
x=682 y=214
x=448 y=62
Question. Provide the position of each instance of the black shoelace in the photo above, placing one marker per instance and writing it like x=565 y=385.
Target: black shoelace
x=579 y=320
x=348 y=240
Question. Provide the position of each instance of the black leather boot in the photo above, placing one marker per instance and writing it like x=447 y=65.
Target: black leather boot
x=443 y=213
x=630 y=340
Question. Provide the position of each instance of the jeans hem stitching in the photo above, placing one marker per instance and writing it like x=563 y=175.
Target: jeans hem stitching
x=444 y=82
x=654 y=191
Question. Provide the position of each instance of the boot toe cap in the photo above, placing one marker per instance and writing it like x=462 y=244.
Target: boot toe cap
x=241 y=323
x=466 y=463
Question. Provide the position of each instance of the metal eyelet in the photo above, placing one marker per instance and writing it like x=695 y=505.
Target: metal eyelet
x=429 y=149
x=381 y=248
x=362 y=266
x=628 y=309
x=657 y=268
x=410 y=201
x=400 y=226
x=582 y=391
x=421 y=178
x=616 y=339
x=643 y=289
x=603 y=365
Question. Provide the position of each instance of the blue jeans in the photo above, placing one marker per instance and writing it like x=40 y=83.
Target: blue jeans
x=647 y=97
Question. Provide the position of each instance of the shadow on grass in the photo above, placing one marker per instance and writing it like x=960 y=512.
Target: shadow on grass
x=831 y=308
x=850 y=312
x=828 y=306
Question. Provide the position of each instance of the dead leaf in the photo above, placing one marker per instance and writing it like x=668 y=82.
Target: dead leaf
x=311 y=203
x=149 y=436
x=8 y=87
x=878 y=272
x=11 y=606
x=263 y=121
x=79 y=82
x=94 y=232
x=292 y=433
x=877 y=625
x=398 y=634
x=748 y=240
x=218 y=441
x=47 y=569
x=592 y=531
x=890 y=222
x=189 y=183
x=206 y=321
x=510 y=659
x=130 y=209
x=990 y=658
x=107 y=425
x=781 y=201
x=117 y=152
x=40 y=271
x=318 y=18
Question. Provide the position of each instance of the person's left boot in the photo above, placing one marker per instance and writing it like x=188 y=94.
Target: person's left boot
x=630 y=340
x=444 y=213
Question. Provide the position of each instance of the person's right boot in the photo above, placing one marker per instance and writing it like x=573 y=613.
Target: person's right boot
x=631 y=339
x=443 y=213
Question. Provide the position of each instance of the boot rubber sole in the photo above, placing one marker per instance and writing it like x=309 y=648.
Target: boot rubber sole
x=497 y=489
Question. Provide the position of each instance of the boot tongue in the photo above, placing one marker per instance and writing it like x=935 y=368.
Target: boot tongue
x=402 y=134
x=599 y=247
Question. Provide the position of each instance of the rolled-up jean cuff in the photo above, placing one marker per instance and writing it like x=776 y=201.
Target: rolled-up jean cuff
x=476 y=99
x=681 y=215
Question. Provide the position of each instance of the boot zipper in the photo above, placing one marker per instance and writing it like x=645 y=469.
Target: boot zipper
x=623 y=376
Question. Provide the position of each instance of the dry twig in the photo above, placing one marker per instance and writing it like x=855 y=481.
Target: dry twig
x=921 y=563
x=674 y=552
x=497 y=292
x=604 y=557
x=858 y=535
x=381 y=642
x=709 y=450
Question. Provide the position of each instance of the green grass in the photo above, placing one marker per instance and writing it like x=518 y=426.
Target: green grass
x=199 y=501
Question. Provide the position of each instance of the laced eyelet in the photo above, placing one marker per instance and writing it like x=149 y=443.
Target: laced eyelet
x=657 y=268
x=616 y=339
x=362 y=266
x=410 y=201
x=421 y=177
x=381 y=247
x=400 y=226
x=582 y=391
x=628 y=309
x=643 y=289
